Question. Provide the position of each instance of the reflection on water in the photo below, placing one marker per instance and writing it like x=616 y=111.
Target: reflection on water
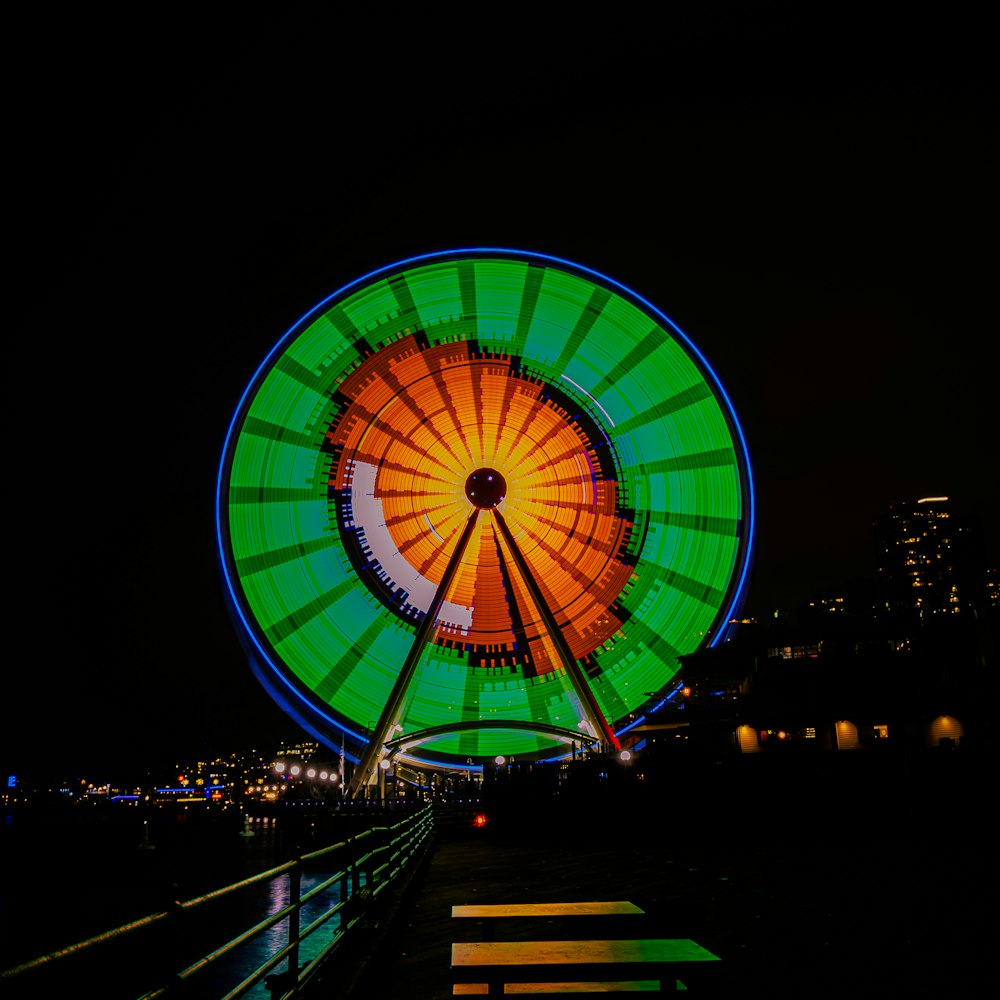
x=257 y=904
x=255 y=953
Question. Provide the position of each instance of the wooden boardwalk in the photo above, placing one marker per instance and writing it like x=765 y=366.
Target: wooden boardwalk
x=798 y=913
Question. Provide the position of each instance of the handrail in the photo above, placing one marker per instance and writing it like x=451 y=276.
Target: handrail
x=375 y=858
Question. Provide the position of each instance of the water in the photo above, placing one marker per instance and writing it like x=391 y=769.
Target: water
x=72 y=872
x=276 y=895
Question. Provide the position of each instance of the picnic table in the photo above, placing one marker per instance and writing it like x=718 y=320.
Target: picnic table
x=608 y=965
x=643 y=965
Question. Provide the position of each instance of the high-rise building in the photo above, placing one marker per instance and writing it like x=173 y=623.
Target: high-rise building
x=928 y=560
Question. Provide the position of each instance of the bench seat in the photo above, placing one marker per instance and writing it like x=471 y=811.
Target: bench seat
x=528 y=989
x=601 y=915
x=596 y=908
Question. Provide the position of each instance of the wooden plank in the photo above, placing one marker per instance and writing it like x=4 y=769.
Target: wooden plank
x=499 y=911
x=526 y=989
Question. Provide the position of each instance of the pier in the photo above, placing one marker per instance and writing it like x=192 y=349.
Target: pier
x=802 y=876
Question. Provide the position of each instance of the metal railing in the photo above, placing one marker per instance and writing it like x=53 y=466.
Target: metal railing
x=367 y=865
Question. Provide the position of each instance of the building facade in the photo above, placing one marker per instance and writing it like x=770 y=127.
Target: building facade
x=928 y=560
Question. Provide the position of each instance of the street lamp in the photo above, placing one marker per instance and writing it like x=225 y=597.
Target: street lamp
x=383 y=765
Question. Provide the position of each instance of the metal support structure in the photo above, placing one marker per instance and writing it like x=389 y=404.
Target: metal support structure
x=394 y=703
x=577 y=677
x=371 y=757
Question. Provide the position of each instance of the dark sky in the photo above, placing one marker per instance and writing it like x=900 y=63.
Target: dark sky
x=811 y=197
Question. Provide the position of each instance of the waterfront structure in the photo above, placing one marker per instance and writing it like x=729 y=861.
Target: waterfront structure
x=843 y=673
x=905 y=656
x=808 y=689
x=477 y=504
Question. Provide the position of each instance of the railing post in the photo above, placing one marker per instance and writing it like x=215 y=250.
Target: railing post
x=355 y=874
x=295 y=900
x=345 y=884
x=177 y=931
x=370 y=849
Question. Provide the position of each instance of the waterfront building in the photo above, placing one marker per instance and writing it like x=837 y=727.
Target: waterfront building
x=832 y=684
x=908 y=656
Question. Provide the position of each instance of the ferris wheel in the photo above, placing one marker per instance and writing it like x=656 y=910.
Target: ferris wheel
x=479 y=502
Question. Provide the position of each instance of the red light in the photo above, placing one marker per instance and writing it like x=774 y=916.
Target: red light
x=479 y=820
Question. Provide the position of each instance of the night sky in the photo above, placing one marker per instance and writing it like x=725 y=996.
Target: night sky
x=811 y=198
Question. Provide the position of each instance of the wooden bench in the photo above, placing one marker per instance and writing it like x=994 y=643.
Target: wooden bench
x=489 y=913
x=495 y=968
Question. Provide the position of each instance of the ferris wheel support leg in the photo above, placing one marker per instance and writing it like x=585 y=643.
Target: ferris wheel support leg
x=368 y=763
x=577 y=677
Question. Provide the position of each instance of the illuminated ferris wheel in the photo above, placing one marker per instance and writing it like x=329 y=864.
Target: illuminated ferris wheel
x=478 y=502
